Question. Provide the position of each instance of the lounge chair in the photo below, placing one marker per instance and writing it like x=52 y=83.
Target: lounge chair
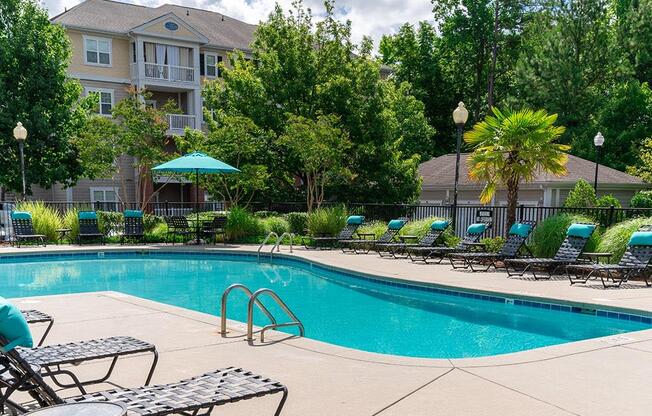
x=195 y=396
x=178 y=226
x=212 y=229
x=21 y=222
x=361 y=245
x=134 y=228
x=353 y=223
x=473 y=235
x=50 y=360
x=432 y=238
x=577 y=236
x=33 y=316
x=89 y=228
x=634 y=262
x=514 y=244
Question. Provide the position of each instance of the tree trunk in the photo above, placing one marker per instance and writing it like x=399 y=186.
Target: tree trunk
x=494 y=56
x=512 y=202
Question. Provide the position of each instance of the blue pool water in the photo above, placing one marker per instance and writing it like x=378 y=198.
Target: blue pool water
x=335 y=308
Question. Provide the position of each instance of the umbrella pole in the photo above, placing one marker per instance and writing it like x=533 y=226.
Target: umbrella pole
x=197 y=202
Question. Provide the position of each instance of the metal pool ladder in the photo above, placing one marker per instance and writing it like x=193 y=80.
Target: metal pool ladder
x=253 y=299
x=277 y=245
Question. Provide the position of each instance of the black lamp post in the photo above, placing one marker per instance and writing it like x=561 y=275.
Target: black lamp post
x=598 y=141
x=20 y=133
x=460 y=115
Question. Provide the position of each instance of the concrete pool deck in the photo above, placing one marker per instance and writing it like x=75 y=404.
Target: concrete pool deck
x=603 y=376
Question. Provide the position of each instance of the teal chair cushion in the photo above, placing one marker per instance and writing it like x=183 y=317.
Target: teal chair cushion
x=21 y=215
x=439 y=225
x=477 y=228
x=355 y=220
x=133 y=213
x=580 y=230
x=88 y=215
x=641 y=238
x=396 y=224
x=519 y=229
x=13 y=327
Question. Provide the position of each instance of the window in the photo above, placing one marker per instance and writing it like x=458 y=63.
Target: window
x=104 y=194
x=97 y=51
x=105 y=100
x=212 y=62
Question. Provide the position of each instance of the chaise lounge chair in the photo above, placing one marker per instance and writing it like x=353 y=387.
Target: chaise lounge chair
x=634 y=262
x=134 y=228
x=515 y=243
x=21 y=222
x=473 y=235
x=353 y=223
x=577 y=236
x=360 y=245
x=54 y=360
x=33 y=316
x=89 y=228
x=433 y=237
x=178 y=226
x=217 y=226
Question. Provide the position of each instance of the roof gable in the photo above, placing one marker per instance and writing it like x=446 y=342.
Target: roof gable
x=170 y=26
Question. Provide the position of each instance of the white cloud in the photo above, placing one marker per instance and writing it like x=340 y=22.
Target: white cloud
x=369 y=18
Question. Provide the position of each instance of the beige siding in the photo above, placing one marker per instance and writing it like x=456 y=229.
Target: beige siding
x=120 y=91
x=160 y=29
x=120 y=62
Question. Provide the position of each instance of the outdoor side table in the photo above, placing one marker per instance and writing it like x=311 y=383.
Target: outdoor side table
x=366 y=236
x=64 y=233
x=82 y=409
x=408 y=238
x=597 y=257
x=477 y=246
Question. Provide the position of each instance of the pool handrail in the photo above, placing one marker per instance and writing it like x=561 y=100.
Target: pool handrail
x=280 y=239
x=260 y=247
x=223 y=331
x=250 y=315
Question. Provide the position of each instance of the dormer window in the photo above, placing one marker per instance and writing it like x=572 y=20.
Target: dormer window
x=97 y=51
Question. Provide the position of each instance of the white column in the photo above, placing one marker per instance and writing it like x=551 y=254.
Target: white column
x=140 y=63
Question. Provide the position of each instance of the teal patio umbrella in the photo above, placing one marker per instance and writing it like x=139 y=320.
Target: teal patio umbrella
x=196 y=162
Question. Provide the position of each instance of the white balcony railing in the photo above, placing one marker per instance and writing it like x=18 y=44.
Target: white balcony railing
x=169 y=72
x=179 y=122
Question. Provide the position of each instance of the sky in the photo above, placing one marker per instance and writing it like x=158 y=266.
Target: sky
x=368 y=17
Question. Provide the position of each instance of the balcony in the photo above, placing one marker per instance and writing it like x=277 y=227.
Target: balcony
x=169 y=72
x=178 y=122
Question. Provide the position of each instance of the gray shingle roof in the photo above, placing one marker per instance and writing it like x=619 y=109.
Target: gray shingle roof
x=439 y=172
x=114 y=16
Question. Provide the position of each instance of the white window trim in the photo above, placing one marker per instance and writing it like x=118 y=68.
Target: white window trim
x=104 y=90
x=217 y=63
x=94 y=189
x=97 y=39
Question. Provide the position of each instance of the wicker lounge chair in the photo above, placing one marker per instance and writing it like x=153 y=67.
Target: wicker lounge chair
x=178 y=226
x=473 y=235
x=134 y=228
x=432 y=238
x=89 y=228
x=569 y=252
x=195 y=396
x=634 y=262
x=360 y=245
x=23 y=227
x=33 y=316
x=212 y=229
x=515 y=243
x=347 y=233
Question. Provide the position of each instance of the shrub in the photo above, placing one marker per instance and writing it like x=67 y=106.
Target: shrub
x=642 y=199
x=278 y=225
x=421 y=228
x=608 y=201
x=71 y=220
x=581 y=196
x=549 y=234
x=151 y=221
x=110 y=223
x=45 y=219
x=157 y=234
x=242 y=225
x=265 y=214
x=298 y=222
x=615 y=239
x=326 y=221
x=493 y=245
x=375 y=227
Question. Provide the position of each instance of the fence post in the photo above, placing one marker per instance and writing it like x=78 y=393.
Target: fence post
x=611 y=216
x=520 y=212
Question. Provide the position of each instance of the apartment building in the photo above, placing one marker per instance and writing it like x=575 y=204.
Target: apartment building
x=169 y=50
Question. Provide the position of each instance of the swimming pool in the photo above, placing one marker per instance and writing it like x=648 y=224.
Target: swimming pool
x=338 y=308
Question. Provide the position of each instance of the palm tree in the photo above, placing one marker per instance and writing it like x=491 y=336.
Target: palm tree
x=513 y=146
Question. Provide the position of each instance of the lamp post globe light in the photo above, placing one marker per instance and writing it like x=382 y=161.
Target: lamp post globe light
x=460 y=115
x=20 y=134
x=598 y=141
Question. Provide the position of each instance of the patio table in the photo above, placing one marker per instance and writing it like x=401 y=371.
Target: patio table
x=597 y=256
x=82 y=409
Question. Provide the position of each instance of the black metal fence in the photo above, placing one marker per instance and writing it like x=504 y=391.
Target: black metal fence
x=466 y=214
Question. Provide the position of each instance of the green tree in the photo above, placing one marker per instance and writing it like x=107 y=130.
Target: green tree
x=237 y=141
x=581 y=196
x=643 y=169
x=320 y=145
x=635 y=35
x=35 y=90
x=513 y=146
